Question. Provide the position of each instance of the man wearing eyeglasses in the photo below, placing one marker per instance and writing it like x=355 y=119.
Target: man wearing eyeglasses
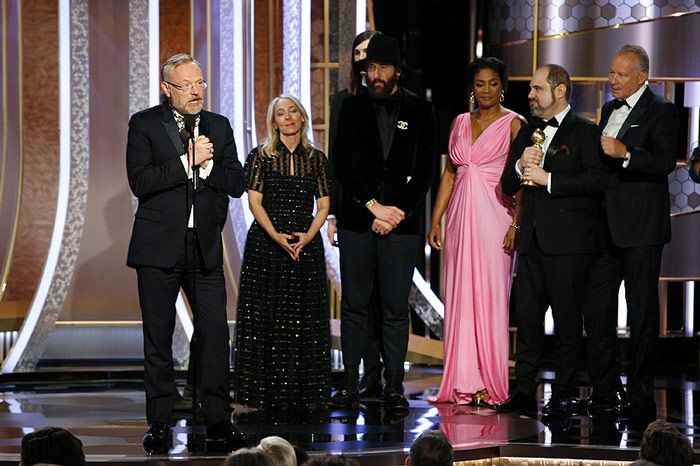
x=182 y=166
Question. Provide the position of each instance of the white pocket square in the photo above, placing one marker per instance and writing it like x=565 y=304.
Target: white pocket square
x=634 y=126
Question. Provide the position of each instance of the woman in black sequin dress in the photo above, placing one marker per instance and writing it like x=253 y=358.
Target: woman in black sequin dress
x=282 y=345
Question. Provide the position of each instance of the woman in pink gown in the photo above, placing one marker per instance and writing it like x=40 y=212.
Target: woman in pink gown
x=477 y=257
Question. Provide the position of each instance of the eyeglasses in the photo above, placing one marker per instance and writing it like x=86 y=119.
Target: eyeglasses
x=200 y=85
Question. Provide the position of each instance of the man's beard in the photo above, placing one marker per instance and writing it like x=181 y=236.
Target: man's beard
x=537 y=110
x=385 y=91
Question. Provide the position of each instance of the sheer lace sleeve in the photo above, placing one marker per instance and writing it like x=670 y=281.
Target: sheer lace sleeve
x=322 y=175
x=254 y=170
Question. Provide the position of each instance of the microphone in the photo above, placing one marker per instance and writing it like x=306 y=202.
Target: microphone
x=189 y=124
x=189 y=133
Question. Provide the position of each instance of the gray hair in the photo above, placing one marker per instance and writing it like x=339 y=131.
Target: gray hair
x=175 y=61
x=639 y=52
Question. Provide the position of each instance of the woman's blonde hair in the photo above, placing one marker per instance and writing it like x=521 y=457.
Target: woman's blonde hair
x=269 y=146
x=279 y=450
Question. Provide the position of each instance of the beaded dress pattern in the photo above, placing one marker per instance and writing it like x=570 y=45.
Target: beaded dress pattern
x=282 y=345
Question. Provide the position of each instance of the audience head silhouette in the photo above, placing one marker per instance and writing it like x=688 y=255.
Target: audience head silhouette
x=431 y=448
x=663 y=445
x=52 y=445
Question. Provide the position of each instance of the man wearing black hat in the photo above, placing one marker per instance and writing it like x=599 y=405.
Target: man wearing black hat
x=384 y=156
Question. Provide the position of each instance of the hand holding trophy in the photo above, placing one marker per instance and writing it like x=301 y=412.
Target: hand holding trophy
x=538 y=138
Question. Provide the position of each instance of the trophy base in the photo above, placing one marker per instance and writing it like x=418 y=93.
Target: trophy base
x=528 y=183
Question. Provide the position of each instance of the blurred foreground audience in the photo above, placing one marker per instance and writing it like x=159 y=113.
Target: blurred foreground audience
x=52 y=445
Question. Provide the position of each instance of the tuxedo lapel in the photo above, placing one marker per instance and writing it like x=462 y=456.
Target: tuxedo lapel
x=562 y=134
x=605 y=115
x=204 y=127
x=636 y=112
x=401 y=130
x=171 y=128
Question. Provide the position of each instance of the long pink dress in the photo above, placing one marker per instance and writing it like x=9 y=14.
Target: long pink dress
x=477 y=270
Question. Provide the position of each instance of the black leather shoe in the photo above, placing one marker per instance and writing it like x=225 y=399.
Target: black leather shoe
x=158 y=439
x=395 y=401
x=610 y=405
x=224 y=437
x=567 y=406
x=641 y=408
x=344 y=399
x=370 y=391
x=517 y=403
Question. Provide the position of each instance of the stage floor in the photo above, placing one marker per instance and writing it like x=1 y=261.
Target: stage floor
x=105 y=409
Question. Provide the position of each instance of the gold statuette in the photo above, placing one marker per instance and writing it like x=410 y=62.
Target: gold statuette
x=538 y=138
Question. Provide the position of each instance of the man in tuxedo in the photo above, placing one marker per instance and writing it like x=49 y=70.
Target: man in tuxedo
x=558 y=238
x=640 y=130
x=384 y=163
x=183 y=188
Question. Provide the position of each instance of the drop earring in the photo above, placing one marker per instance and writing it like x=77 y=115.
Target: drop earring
x=471 y=97
x=503 y=96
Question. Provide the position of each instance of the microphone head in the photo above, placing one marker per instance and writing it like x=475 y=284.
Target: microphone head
x=189 y=123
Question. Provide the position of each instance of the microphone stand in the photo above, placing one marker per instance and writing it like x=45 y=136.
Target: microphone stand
x=194 y=346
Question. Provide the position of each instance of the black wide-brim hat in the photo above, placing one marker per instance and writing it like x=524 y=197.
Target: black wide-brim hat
x=385 y=49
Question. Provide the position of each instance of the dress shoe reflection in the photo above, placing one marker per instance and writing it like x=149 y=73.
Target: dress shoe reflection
x=565 y=406
x=158 y=439
x=606 y=430
x=394 y=426
x=607 y=405
x=520 y=403
x=644 y=408
x=636 y=424
x=224 y=437
x=383 y=425
x=559 y=426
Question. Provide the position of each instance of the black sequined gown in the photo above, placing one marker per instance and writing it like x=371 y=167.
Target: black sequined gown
x=282 y=344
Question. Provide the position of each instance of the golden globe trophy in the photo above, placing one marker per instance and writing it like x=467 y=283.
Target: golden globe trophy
x=538 y=138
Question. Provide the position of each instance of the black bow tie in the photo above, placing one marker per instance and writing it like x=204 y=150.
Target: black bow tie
x=552 y=122
x=619 y=103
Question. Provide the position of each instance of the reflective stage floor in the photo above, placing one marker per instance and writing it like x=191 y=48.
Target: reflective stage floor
x=105 y=409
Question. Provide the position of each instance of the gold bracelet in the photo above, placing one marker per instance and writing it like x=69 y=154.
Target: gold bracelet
x=515 y=225
x=370 y=203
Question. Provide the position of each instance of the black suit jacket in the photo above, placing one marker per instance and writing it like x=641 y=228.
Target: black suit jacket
x=158 y=179
x=637 y=202
x=567 y=221
x=402 y=180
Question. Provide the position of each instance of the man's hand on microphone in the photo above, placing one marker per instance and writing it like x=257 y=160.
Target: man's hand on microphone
x=203 y=151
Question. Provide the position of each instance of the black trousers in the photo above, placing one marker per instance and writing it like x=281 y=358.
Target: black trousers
x=639 y=267
x=544 y=281
x=206 y=293
x=393 y=257
x=373 y=351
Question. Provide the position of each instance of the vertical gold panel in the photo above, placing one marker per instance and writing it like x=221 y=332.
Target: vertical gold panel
x=267 y=54
x=40 y=151
x=175 y=28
